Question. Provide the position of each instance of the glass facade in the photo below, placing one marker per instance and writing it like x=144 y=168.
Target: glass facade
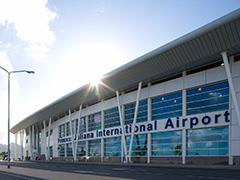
x=208 y=98
x=111 y=118
x=207 y=142
x=129 y=112
x=94 y=121
x=167 y=106
x=167 y=143
x=139 y=147
x=69 y=149
x=112 y=147
x=94 y=148
x=200 y=142
x=61 y=150
x=81 y=149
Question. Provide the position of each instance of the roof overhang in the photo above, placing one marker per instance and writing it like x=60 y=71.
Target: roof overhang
x=200 y=47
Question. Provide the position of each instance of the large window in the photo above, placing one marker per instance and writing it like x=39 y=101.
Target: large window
x=69 y=149
x=214 y=97
x=167 y=106
x=167 y=143
x=94 y=148
x=208 y=142
x=68 y=129
x=111 y=118
x=139 y=147
x=61 y=150
x=94 y=121
x=112 y=147
x=61 y=131
x=81 y=149
x=129 y=112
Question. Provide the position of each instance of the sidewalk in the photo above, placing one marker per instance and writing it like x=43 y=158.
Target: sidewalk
x=197 y=166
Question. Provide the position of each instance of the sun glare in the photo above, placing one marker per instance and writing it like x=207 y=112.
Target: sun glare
x=95 y=81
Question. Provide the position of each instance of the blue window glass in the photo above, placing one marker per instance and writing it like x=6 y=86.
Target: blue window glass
x=112 y=147
x=139 y=147
x=208 y=98
x=111 y=118
x=167 y=143
x=207 y=142
x=81 y=149
x=69 y=149
x=167 y=106
x=82 y=126
x=61 y=150
x=94 y=148
x=129 y=112
x=94 y=121
x=61 y=131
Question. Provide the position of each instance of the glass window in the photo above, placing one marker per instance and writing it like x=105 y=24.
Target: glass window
x=94 y=121
x=61 y=150
x=68 y=129
x=207 y=142
x=208 y=98
x=139 y=147
x=167 y=106
x=167 y=143
x=61 y=131
x=81 y=150
x=112 y=147
x=111 y=118
x=69 y=149
x=51 y=151
x=94 y=147
x=129 y=112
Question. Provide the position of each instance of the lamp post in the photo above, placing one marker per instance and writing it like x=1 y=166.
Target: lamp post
x=9 y=73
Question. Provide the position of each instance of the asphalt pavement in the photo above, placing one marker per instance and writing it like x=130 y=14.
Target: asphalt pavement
x=62 y=171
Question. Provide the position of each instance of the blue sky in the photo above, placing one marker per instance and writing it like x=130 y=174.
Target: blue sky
x=69 y=43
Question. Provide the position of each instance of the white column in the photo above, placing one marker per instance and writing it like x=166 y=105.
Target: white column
x=102 y=140
x=30 y=141
x=87 y=154
x=123 y=140
x=44 y=138
x=231 y=86
x=77 y=133
x=48 y=140
x=134 y=120
x=16 y=136
x=71 y=132
x=184 y=113
x=21 y=142
x=149 y=119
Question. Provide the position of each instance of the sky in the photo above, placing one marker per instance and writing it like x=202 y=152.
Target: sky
x=70 y=43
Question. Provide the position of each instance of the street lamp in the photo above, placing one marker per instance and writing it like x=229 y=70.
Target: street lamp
x=9 y=73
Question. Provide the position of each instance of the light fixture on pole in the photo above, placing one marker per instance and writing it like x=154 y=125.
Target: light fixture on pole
x=9 y=73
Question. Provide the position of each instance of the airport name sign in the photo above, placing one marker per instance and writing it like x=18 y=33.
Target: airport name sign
x=220 y=118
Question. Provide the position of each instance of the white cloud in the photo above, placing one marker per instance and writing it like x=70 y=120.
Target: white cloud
x=5 y=63
x=31 y=19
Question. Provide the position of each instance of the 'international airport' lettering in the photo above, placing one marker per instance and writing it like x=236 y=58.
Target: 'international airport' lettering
x=187 y=122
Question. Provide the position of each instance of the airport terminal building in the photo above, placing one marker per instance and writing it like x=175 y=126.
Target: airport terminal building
x=177 y=104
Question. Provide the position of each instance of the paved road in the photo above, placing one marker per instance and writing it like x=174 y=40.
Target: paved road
x=58 y=171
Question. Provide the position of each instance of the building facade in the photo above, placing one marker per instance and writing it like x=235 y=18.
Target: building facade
x=177 y=104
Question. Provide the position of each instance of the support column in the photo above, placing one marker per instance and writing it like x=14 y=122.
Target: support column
x=87 y=154
x=231 y=86
x=45 y=138
x=77 y=133
x=134 y=120
x=123 y=140
x=30 y=141
x=21 y=142
x=184 y=113
x=149 y=119
x=48 y=140
x=102 y=140
x=16 y=136
x=71 y=132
